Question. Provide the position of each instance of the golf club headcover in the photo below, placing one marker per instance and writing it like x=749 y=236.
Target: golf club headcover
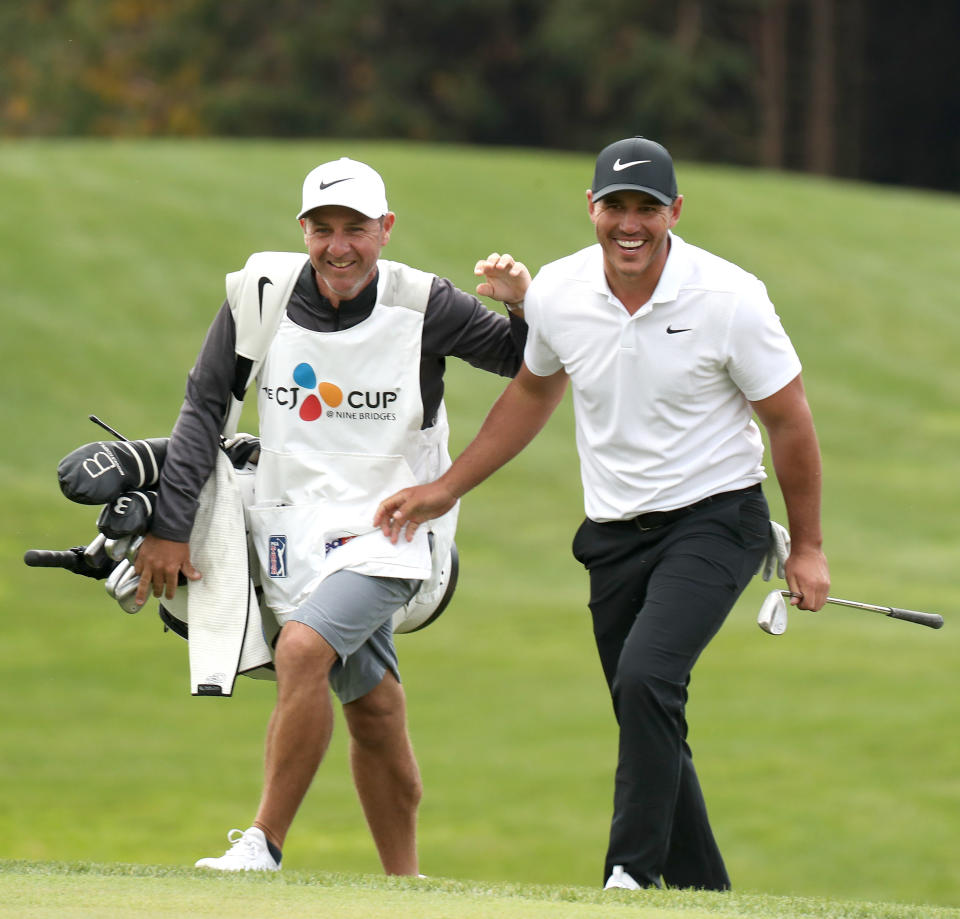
x=778 y=551
x=98 y=473
x=242 y=449
x=128 y=515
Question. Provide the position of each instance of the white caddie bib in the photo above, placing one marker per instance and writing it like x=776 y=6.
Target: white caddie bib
x=340 y=416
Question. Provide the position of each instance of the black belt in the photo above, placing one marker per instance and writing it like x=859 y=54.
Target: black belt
x=656 y=519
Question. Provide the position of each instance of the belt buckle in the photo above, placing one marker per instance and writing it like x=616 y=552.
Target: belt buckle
x=656 y=520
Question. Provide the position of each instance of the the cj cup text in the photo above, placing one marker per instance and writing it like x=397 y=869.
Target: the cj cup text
x=288 y=396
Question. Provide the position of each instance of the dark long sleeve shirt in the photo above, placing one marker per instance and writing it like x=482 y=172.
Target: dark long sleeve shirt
x=455 y=324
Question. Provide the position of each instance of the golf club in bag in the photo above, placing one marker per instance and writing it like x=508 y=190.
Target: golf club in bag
x=122 y=476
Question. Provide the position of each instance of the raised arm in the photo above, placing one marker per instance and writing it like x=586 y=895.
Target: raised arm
x=515 y=419
x=796 y=462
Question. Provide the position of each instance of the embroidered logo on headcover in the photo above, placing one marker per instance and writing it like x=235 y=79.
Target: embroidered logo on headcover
x=277 y=557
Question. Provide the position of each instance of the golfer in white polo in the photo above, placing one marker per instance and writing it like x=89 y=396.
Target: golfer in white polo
x=670 y=351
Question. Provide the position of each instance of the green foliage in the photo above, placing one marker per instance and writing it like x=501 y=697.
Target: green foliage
x=508 y=71
x=827 y=754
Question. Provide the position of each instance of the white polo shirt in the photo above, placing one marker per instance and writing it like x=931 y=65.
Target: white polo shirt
x=661 y=398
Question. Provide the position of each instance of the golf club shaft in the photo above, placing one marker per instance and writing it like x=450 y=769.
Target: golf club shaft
x=107 y=427
x=932 y=620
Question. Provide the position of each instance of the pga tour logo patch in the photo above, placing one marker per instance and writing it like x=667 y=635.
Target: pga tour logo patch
x=277 y=556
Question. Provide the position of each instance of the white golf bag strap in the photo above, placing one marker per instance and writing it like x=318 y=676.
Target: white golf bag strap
x=258 y=296
x=402 y=285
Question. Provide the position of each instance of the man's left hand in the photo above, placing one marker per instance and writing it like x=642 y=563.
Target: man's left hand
x=807 y=576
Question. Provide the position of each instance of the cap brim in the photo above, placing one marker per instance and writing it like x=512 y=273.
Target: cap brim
x=609 y=189
x=352 y=205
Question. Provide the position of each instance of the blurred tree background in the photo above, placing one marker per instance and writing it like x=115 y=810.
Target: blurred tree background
x=846 y=88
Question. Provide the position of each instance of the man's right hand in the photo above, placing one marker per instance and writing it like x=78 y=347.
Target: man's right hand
x=410 y=507
x=160 y=562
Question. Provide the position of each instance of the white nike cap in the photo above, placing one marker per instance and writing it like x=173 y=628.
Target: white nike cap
x=635 y=164
x=347 y=183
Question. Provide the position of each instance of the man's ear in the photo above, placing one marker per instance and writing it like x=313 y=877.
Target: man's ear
x=590 y=204
x=389 y=219
x=675 y=209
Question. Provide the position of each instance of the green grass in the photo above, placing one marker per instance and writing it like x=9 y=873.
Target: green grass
x=78 y=891
x=828 y=755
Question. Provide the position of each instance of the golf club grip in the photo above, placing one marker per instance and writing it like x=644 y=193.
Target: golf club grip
x=50 y=558
x=933 y=620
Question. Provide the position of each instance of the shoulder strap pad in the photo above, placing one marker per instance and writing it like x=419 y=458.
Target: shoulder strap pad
x=258 y=296
x=401 y=285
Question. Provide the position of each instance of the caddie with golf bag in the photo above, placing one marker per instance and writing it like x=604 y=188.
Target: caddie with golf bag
x=347 y=351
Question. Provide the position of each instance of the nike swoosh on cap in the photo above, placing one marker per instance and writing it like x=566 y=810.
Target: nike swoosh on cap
x=325 y=185
x=619 y=167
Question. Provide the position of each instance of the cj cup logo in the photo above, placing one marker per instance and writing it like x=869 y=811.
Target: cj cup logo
x=326 y=393
x=324 y=397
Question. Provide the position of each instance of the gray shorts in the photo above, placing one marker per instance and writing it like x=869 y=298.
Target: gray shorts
x=354 y=614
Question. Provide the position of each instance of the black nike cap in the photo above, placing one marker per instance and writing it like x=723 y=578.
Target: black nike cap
x=635 y=164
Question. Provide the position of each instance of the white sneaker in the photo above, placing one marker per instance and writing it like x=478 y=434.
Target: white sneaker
x=249 y=852
x=621 y=879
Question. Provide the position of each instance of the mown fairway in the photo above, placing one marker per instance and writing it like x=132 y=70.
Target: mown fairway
x=37 y=890
x=829 y=755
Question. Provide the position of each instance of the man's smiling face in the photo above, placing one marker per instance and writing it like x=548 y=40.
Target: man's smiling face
x=632 y=228
x=344 y=246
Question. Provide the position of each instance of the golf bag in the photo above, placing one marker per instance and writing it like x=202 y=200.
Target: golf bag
x=119 y=473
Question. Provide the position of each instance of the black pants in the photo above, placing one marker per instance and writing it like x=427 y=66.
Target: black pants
x=657 y=598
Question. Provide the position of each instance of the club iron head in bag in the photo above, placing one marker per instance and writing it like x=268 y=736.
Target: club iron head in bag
x=125 y=547
x=772 y=617
x=122 y=586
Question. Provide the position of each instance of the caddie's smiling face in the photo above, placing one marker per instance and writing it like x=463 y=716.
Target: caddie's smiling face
x=631 y=228
x=344 y=246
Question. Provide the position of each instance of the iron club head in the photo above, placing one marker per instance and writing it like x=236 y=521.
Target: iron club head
x=772 y=617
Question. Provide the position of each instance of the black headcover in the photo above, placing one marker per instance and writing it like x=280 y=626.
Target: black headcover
x=100 y=472
x=128 y=515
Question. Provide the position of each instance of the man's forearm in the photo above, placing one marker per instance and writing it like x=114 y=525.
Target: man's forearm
x=796 y=462
x=193 y=444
